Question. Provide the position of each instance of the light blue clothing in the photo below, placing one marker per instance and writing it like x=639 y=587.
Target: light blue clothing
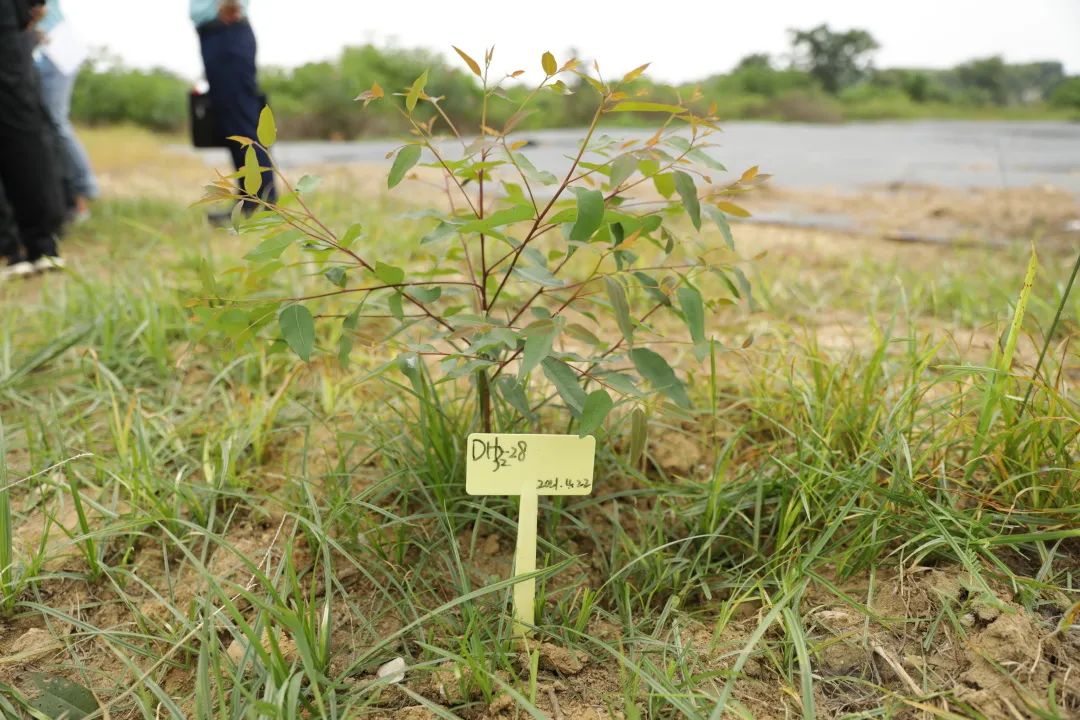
x=56 y=91
x=204 y=11
x=53 y=17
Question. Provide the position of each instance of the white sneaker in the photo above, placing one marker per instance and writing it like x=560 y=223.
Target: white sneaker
x=46 y=263
x=17 y=270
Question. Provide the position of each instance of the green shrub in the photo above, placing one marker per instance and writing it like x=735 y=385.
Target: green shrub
x=870 y=102
x=316 y=100
x=154 y=99
x=1067 y=94
x=811 y=106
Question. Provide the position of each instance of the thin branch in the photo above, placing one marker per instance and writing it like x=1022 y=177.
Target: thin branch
x=431 y=146
x=373 y=288
x=562 y=188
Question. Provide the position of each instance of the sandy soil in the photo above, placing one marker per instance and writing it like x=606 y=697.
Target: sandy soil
x=997 y=660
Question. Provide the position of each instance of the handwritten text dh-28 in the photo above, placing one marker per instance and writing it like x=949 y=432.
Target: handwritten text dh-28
x=494 y=451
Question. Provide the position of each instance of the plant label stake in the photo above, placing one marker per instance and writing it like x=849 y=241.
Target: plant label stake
x=528 y=466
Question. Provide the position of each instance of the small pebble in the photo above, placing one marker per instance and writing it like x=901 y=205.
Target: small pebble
x=393 y=671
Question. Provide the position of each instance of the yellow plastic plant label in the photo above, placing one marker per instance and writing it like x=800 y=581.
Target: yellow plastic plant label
x=529 y=466
x=505 y=464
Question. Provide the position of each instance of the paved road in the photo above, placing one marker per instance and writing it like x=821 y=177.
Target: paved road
x=841 y=157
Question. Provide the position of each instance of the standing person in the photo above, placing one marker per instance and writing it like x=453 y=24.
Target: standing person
x=10 y=244
x=28 y=172
x=57 y=84
x=228 y=51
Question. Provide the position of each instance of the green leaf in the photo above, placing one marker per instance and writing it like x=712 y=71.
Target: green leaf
x=473 y=65
x=513 y=392
x=621 y=170
x=679 y=143
x=639 y=429
x=345 y=346
x=619 y=382
x=352 y=320
x=308 y=184
x=597 y=406
x=548 y=63
x=538 y=275
x=665 y=184
x=634 y=106
x=442 y=230
x=595 y=84
x=635 y=73
x=252 y=172
x=747 y=290
x=590 y=213
x=394 y=303
x=531 y=172
x=539 y=340
x=705 y=159
x=694 y=311
x=721 y=222
x=688 y=192
x=298 y=329
x=670 y=245
x=579 y=332
x=388 y=273
x=61 y=698
x=506 y=216
x=351 y=235
x=259 y=317
x=565 y=380
x=267 y=131
x=650 y=223
x=337 y=276
x=271 y=248
x=617 y=296
x=659 y=374
x=415 y=91
x=406 y=158
x=427 y=294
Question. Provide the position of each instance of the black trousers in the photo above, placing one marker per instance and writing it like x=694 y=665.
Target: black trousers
x=229 y=58
x=28 y=170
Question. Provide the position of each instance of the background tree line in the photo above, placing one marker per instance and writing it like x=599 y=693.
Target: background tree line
x=829 y=76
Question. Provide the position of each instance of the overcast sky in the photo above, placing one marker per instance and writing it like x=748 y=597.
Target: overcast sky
x=684 y=40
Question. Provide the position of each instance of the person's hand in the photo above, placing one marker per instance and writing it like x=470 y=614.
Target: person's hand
x=230 y=11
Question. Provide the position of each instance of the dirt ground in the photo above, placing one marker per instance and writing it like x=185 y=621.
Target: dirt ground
x=967 y=649
x=934 y=632
x=934 y=215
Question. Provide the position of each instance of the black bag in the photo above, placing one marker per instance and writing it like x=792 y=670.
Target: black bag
x=204 y=125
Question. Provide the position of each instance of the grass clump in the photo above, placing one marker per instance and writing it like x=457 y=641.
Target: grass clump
x=852 y=518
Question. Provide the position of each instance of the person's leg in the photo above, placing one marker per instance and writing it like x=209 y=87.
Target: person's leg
x=10 y=247
x=229 y=58
x=27 y=169
x=56 y=89
x=28 y=175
